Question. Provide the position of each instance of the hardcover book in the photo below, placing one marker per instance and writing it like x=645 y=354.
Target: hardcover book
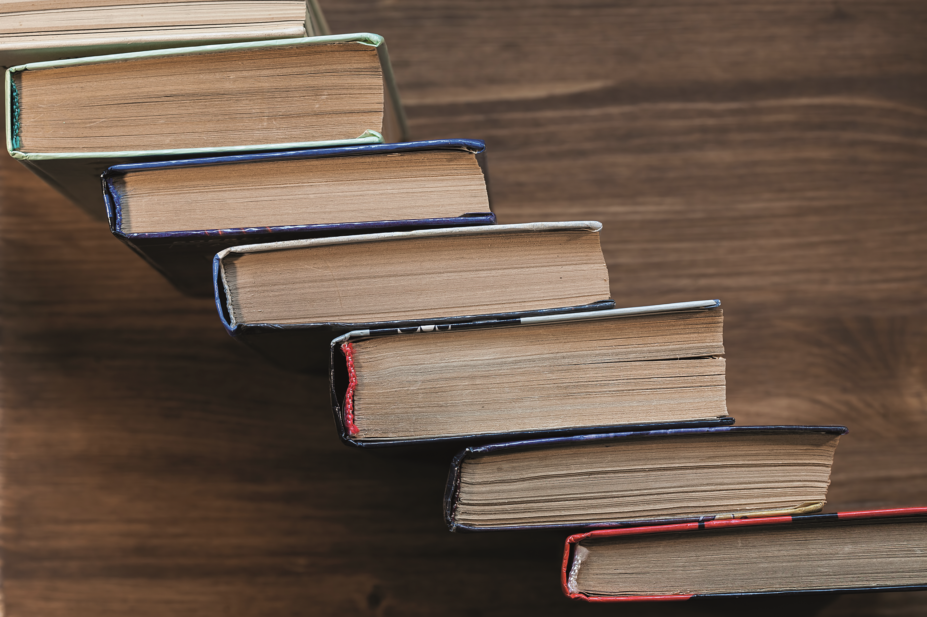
x=41 y=30
x=178 y=214
x=643 y=477
x=288 y=300
x=846 y=552
x=621 y=369
x=68 y=120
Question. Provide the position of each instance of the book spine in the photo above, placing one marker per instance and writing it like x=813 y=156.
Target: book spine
x=568 y=574
x=13 y=126
x=452 y=489
x=220 y=297
x=348 y=350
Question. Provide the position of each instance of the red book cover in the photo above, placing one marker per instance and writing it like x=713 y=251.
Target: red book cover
x=575 y=553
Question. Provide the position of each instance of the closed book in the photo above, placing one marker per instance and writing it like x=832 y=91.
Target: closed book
x=641 y=477
x=69 y=120
x=36 y=31
x=605 y=371
x=288 y=300
x=178 y=214
x=845 y=552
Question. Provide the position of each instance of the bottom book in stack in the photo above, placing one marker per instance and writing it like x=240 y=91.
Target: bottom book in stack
x=875 y=550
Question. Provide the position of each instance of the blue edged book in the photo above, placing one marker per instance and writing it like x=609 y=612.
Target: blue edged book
x=178 y=214
x=642 y=478
x=635 y=368
x=288 y=300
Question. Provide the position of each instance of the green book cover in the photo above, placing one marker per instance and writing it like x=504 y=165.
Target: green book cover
x=77 y=174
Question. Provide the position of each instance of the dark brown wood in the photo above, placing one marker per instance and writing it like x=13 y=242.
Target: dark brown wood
x=772 y=155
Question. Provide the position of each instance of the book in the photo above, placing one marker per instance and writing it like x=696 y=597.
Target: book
x=69 y=120
x=605 y=371
x=35 y=31
x=178 y=214
x=643 y=477
x=874 y=550
x=288 y=300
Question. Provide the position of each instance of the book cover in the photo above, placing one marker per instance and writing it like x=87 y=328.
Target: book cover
x=452 y=489
x=185 y=257
x=568 y=572
x=98 y=38
x=342 y=377
x=77 y=174
x=306 y=346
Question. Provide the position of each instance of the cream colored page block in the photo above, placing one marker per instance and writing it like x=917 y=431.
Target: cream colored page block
x=541 y=377
x=116 y=19
x=404 y=186
x=22 y=6
x=428 y=277
x=564 y=397
x=236 y=98
x=757 y=559
x=647 y=478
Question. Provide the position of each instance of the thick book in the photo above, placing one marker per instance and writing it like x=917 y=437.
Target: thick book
x=642 y=477
x=178 y=214
x=37 y=31
x=288 y=300
x=69 y=120
x=845 y=552
x=603 y=371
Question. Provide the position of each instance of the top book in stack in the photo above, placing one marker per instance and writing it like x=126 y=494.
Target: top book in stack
x=69 y=120
x=35 y=31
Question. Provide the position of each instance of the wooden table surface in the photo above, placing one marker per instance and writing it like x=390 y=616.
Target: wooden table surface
x=772 y=155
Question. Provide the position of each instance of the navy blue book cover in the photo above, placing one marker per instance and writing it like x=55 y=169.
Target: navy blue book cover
x=452 y=490
x=185 y=257
x=342 y=377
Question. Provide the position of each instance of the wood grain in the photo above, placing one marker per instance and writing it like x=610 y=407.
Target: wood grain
x=768 y=154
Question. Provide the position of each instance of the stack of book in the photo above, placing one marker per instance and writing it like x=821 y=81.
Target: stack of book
x=273 y=174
